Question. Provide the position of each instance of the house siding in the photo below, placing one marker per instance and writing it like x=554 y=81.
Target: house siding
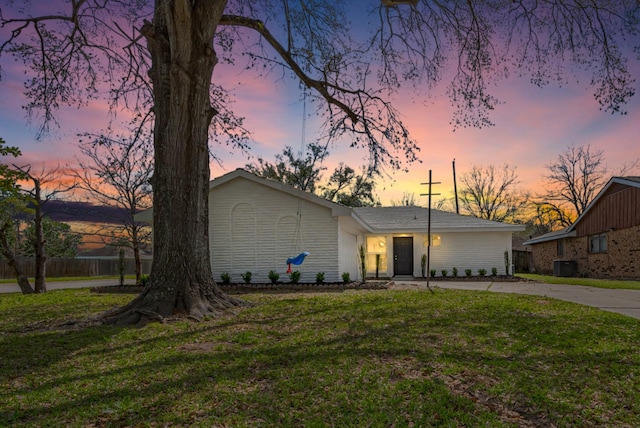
x=256 y=224
x=254 y=228
x=464 y=250
x=348 y=262
x=619 y=208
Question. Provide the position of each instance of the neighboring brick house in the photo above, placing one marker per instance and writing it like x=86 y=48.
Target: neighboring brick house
x=603 y=242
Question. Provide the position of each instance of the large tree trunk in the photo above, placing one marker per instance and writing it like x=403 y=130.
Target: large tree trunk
x=39 y=243
x=135 y=243
x=180 y=41
x=5 y=248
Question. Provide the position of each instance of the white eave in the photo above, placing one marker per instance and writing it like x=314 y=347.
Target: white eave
x=551 y=236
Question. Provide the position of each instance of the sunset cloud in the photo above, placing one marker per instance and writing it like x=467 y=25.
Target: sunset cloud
x=532 y=127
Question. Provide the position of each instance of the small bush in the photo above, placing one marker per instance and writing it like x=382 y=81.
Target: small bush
x=482 y=272
x=144 y=280
x=494 y=271
x=423 y=264
x=225 y=277
x=273 y=276
x=467 y=272
x=444 y=273
x=454 y=272
x=295 y=276
x=346 y=277
x=246 y=277
x=432 y=273
x=320 y=277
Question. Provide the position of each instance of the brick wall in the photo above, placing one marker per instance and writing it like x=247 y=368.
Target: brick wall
x=621 y=260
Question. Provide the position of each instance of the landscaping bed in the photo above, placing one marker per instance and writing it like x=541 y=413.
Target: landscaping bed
x=241 y=288
x=286 y=287
x=473 y=278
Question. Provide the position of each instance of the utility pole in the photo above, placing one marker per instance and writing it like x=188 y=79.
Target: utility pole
x=455 y=186
x=429 y=227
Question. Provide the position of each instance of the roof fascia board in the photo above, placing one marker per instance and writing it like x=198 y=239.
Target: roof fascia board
x=618 y=180
x=553 y=237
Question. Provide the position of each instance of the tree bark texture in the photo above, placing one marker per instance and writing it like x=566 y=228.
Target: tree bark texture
x=136 y=252
x=5 y=248
x=39 y=243
x=180 y=41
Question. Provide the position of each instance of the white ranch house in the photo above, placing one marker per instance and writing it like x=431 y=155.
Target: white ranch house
x=256 y=224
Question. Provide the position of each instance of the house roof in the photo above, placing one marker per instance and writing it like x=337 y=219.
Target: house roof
x=336 y=209
x=414 y=219
x=631 y=181
x=551 y=236
x=373 y=219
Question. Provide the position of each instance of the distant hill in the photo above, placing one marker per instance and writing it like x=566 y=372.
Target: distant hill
x=65 y=211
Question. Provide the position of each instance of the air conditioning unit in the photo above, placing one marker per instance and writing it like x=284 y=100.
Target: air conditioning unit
x=565 y=268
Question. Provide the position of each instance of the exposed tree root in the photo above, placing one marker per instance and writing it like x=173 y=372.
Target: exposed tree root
x=159 y=303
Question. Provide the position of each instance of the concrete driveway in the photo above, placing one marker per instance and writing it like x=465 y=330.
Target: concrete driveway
x=626 y=302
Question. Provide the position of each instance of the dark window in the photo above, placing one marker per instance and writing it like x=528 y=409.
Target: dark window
x=598 y=243
x=560 y=247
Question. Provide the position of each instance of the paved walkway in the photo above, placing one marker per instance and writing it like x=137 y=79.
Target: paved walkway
x=59 y=285
x=626 y=302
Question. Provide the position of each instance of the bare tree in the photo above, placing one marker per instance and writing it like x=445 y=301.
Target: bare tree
x=491 y=194
x=71 y=55
x=575 y=178
x=407 y=200
x=46 y=185
x=117 y=172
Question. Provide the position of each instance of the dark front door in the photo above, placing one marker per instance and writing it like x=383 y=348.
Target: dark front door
x=403 y=256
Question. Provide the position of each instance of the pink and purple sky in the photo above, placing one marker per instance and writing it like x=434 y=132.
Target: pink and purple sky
x=532 y=127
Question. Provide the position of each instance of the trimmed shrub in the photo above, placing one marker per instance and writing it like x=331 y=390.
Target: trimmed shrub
x=295 y=276
x=273 y=276
x=246 y=277
x=226 y=278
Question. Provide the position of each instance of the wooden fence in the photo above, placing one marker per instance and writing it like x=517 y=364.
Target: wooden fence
x=59 y=267
x=521 y=261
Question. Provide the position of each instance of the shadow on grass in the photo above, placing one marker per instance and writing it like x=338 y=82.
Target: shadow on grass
x=376 y=359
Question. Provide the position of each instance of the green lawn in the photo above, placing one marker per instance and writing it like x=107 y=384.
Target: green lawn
x=362 y=358
x=591 y=282
x=67 y=278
